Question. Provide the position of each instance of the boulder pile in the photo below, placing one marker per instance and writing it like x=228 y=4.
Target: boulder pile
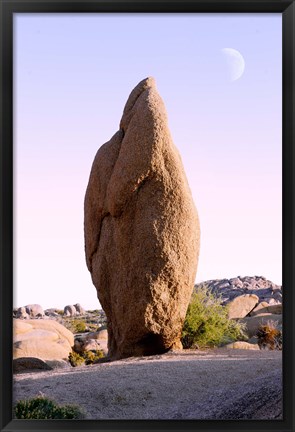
x=74 y=310
x=29 y=311
x=228 y=289
x=34 y=311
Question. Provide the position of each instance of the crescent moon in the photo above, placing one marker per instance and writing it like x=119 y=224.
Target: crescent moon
x=235 y=63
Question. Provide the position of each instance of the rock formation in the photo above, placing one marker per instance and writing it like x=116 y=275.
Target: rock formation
x=241 y=305
x=22 y=313
x=44 y=339
x=51 y=312
x=29 y=311
x=26 y=364
x=92 y=341
x=79 y=309
x=70 y=310
x=242 y=345
x=141 y=230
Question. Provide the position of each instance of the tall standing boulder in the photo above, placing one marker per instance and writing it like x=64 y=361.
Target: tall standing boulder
x=141 y=230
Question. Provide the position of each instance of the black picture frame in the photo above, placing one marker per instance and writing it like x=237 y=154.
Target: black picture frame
x=8 y=8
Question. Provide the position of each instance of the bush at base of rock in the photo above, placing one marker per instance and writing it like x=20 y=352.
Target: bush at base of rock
x=92 y=357
x=87 y=357
x=45 y=409
x=207 y=324
x=75 y=359
x=269 y=336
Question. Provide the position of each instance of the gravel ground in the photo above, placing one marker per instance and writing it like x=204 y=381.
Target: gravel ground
x=213 y=384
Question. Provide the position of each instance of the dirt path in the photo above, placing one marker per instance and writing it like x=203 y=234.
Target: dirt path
x=219 y=384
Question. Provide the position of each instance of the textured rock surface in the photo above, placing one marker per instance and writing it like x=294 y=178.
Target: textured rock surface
x=44 y=339
x=240 y=306
x=141 y=230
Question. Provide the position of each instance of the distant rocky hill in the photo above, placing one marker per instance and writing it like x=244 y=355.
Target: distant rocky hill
x=228 y=289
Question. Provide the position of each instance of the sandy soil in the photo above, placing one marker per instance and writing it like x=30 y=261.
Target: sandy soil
x=213 y=384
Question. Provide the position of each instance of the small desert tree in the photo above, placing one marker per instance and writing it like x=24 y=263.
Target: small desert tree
x=207 y=324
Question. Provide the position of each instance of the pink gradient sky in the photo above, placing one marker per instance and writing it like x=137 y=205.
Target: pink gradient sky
x=72 y=76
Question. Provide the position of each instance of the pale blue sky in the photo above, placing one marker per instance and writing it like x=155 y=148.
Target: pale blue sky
x=72 y=76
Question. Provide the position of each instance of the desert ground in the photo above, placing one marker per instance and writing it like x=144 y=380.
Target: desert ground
x=199 y=384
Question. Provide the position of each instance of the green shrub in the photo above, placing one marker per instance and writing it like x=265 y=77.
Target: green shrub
x=269 y=336
x=79 y=326
x=76 y=359
x=92 y=357
x=44 y=408
x=207 y=324
x=86 y=357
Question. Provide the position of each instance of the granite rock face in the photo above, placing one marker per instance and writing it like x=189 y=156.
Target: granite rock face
x=240 y=306
x=44 y=339
x=141 y=230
